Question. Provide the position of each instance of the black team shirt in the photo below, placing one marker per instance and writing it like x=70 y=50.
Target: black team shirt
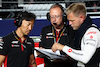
x=47 y=40
x=17 y=53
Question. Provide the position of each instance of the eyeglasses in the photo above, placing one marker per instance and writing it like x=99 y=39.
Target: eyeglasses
x=55 y=16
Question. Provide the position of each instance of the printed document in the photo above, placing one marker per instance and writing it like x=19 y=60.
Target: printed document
x=51 y=55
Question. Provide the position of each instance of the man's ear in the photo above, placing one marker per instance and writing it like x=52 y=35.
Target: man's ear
x=82 y=18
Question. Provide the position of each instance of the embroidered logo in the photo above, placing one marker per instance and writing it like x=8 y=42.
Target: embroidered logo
x=69 y=50
x=1 y=44
x=49 y=37
x=91 y=37
x=49 y=33
x=15 y=42
x=91 y=32
x=14 y=45
x=29 y=43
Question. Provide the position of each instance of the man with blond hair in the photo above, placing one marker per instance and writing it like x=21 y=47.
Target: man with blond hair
x=86 y=44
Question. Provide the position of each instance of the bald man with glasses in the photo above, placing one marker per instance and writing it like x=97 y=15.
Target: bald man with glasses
x=59 y=31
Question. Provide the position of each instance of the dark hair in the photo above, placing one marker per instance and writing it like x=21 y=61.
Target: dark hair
x=23 y=15
x=28 y=16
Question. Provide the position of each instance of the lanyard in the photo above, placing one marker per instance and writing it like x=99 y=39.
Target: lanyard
x=58 y=36
x=22 y=46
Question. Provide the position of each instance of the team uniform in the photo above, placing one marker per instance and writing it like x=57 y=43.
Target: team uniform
x=49 y=35
x=87 y=45
x=17 y=53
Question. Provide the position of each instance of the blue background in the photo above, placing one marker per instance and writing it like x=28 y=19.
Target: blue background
x=7 y=26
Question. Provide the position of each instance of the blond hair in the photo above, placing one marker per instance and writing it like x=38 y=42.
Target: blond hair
x=77 y=9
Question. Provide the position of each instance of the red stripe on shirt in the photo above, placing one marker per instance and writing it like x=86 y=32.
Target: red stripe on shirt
x=5 y=62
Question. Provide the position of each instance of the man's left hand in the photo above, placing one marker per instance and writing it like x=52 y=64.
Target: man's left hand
x=57 y=46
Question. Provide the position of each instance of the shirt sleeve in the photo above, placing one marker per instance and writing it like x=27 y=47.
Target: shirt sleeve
x=32 y=46
x=4 y=46
x=89 y=44
x=42 y=42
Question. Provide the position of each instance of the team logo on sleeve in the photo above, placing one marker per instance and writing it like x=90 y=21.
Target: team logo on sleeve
x=91 y=32
x=91 y=37
x=69 y=50
x=1 y=44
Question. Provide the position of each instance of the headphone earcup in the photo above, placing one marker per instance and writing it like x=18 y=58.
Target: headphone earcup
x=64 y=17
x=48 y=16
x=18 y=20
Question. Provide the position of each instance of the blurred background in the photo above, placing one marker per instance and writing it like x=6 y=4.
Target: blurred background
x=9 y=8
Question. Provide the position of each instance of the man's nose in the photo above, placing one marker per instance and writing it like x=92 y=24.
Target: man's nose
x=54 y=18
x=70 y=23
x=30 y=27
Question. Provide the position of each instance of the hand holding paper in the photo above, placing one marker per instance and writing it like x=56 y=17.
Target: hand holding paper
x=51 y=55
x=57 y=46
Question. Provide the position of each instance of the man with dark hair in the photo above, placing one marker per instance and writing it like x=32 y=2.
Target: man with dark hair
x=17 y=49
